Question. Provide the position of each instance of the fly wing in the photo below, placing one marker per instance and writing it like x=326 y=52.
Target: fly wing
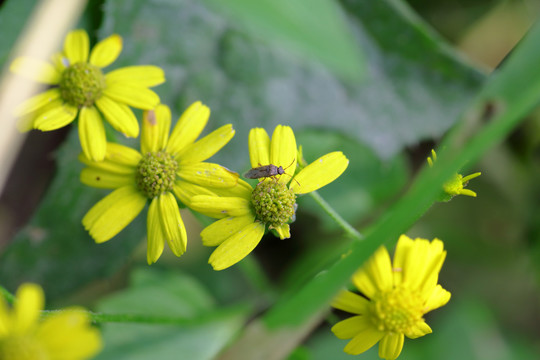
x=254 y=173
x=262 y=172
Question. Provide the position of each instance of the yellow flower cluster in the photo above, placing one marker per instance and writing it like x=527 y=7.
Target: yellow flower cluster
x=26 y=335
x=170 y=170
x=394 y=296
x=171 y=166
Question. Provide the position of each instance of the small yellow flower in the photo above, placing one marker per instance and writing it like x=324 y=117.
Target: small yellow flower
x=81 y=87
x=165 y=166
x=394 y=297
x=246 y=214
x=63 y=335
x=456 y=184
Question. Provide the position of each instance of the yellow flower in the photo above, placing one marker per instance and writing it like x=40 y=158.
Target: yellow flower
x=165 y=166
x=394 y=297
x=63 y=335
x=456 y=184
x=80 y=87
x=246 y=214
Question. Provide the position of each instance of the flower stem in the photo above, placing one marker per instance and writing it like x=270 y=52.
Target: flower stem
x=206 y=317
x=351 y=231
x=10 y=298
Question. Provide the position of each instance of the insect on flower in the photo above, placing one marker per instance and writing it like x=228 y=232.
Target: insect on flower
x=266 y=171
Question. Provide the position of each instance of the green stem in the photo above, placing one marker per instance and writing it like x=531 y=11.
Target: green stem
x=206 y=317
x=10 y=298
x=351 y=231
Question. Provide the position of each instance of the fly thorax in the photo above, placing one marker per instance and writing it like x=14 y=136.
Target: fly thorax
x=156 y=173
x=82 y=84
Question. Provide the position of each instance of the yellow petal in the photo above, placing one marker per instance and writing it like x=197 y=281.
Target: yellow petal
x=349 y=328
x=30 y=301
x=26 y=122
x=434 y=262
x=351 y=302
x=68 y=335
x=37 y=102
x=92 y=134
x=242 y=189
x=172 y=225
x=184 y=191
x=419 y=329
x=55 y=118
x=189 y=127
x=363 y=341
x=319 y=173
x=220 y=207
x=102 y=179
x=283 y=151
x=416 y=264
x=76 y=46
x=119 y=159
x=438 y=297
x=113 y=213
x=155 y=129
x=219 y=231
x=237 y=246
x=156 y=238
x=207 y=146
x=142 y=75
x=34 y=69
x=133 y=95
x=119 y=116
x=467 y=192
x=284 y=231
x=208 y=174
x=106 y=51
x=376 y=275
x=401 y=254
x=391 y=345
x=259 y=147
x=122 y=155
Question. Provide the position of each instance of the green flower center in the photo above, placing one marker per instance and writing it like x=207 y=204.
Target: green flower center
x=398 y=310
x=156 y=173
x=82 y=84
x=274 y=203
x=21 y=348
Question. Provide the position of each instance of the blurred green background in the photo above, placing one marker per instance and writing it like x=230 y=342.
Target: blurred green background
x=381 y=81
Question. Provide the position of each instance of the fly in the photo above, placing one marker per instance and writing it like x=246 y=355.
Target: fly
x=266 y=171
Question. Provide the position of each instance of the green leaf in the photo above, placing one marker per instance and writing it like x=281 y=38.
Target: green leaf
x=316 y=29
x=413 y=89
x=155 y=292
x=171 y=295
